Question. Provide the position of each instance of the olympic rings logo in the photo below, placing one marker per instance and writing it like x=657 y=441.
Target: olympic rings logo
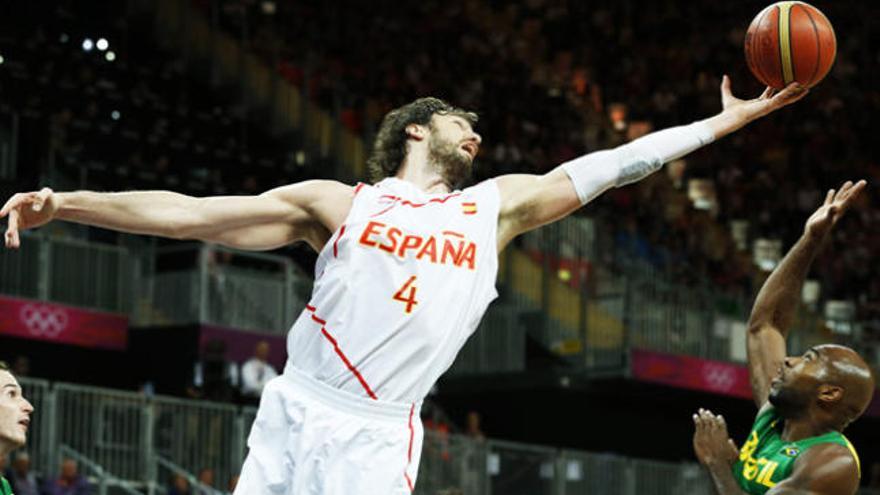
x=721 y=378
x=42 y=320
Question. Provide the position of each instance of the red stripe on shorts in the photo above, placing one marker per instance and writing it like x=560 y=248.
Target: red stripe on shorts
x=409 y=449
x=342 y=356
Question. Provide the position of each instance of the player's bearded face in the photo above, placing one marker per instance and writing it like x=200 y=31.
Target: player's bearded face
x=792 y=395
x=453 y=163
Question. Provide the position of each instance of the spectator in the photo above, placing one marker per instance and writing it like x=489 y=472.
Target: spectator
x=256 y=373
x=179 y=485
x=23 y=481
x=473 y=429
x=21 y=367
x=233 y=482
x=70 y=482
x=214 y=377
x=206 y=479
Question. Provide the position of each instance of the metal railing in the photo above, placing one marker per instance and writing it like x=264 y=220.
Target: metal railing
x=198 y=435
x=452 y=462
x=594 y=308
x=457 y=464
x=41 y=435
x=106 y=483
x=166 y=471
x=201 y=283
x=497 y=346
x=70 y=271
x=110 y=427
x=183 y=284
x=576 y=307
x=128 y=443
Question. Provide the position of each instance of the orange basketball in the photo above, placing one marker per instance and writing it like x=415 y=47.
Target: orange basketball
x=790 y=41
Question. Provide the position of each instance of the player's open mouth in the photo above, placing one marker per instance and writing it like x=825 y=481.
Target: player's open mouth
x=471 y=149
x=25 y=422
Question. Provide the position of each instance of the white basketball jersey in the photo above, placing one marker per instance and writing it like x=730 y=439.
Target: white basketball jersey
x=398 y=289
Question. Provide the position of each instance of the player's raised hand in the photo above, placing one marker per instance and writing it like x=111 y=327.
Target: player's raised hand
x=836 y=203
x=769 y=101
x=712 y=444
x=27 y=211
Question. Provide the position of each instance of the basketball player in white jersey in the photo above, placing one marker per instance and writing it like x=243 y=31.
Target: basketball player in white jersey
x=406 y=270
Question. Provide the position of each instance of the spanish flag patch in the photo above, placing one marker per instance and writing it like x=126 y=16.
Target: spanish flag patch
x=469 y=208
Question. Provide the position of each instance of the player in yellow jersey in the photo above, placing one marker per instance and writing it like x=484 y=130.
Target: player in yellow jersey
x=15 y=417
x=796 y=445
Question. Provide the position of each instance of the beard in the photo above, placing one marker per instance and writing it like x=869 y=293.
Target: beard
x=453 y=165
x=789 y=402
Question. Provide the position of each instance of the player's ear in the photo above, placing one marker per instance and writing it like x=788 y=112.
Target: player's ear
x=416 y=131
x=830 y=394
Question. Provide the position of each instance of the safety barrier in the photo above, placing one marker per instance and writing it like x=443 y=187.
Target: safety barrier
x=133 y=444
x=166 y=472
x=591 y=314
x=95 y=474
x=594 y=308
x=200 y=283
x=198 y=435
x=41 y=434
x=69 y=271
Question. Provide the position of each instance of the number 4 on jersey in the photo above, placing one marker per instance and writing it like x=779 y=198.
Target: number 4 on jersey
x=407 y=297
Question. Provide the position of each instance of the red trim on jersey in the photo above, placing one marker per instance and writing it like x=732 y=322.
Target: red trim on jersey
x=397 y=200
x=392 y=205
x=358 y=188
x=409 y=449
x=407 y=202
x=342 y=356
x=336 y=242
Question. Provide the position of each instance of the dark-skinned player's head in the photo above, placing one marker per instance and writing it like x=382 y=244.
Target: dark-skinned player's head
x=447 y=131
x=828 y=380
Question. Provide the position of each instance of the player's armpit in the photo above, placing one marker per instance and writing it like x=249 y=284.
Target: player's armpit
x=765 y=347
x=530 y=201
x=827 y=469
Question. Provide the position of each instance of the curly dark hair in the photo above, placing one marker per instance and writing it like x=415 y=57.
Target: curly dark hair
x=389 y=148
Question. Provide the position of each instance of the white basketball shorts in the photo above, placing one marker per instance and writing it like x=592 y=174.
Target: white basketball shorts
x=312 y=439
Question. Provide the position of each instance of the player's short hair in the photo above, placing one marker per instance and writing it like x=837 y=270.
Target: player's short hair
x=4 y=366
x=389 y=148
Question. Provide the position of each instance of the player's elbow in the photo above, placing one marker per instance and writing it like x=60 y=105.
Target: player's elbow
x=755 y=327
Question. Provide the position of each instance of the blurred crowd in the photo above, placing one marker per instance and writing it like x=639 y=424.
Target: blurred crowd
x=553 y=79
x=120 y=112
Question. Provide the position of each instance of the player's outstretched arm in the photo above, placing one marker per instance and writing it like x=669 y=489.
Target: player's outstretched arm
x=775 y=306
x=302 y=211
x=529 y=201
